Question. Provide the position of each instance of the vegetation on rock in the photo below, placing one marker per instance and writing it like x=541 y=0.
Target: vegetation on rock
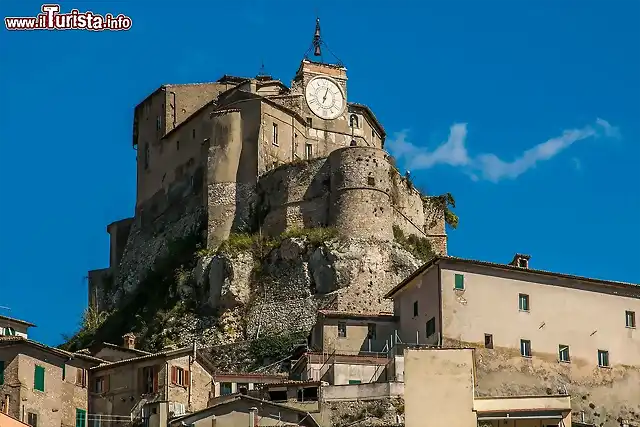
x=420 y=247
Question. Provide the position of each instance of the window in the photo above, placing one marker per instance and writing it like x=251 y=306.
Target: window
x=523 y=263
x=431 y=327
x=353 y=121
x=275 y=134
x=525 y=348
x=81 y=377
x=523 y=302
x=158 y=123
x=64 y=372
x=371 y=181
x=415 y=309
x=101 y=384
x=179 y=376
x=308 y=151
x=371 y=331
x=488 y=341
x=9 y=331
x=355 y=382
x=193 y=134
x=1 y=372
x=243 y=388
x=145 y=158
x=459 y=284
x=563 y=353
x=38 y=378
x=149 y=382
x=32 y=419
x=81 y=418
x=225 y=388
x=631 y=319
x=178 y=145
x=353 y=143
x=309 y=122
x=342 y=330
x=603 y=358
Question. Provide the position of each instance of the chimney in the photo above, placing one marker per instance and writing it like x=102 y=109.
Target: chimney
x=129 y=340
x=520 y=260
x=253 y=415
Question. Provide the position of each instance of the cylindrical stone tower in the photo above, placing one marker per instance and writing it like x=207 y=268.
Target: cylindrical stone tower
x=360 y=204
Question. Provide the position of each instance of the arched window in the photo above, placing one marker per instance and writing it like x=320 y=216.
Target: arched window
x=353 y=121
x=353 y=143
x=10 y=332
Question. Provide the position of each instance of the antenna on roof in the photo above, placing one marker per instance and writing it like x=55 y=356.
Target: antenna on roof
x=262 y=74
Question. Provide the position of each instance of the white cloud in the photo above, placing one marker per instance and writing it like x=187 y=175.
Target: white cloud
x=488 y=166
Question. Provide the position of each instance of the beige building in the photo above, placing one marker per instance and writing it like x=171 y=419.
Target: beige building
x=241 y=410
x=440 y=391
x=132 y=388
x=352 y=333
x=550 y=316
x=238 y=382
x=114 y=353
x=10 y=327
x=43 y=386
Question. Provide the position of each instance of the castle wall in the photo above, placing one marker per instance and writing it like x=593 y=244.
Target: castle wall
x=289 y=145
x=159 y=161
x=360 y=204
x=295 y=196
x=231 y=170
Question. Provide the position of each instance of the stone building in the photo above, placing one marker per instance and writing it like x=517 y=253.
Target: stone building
x=43 y=386
x=132 y=388
x=534 y=330
x=242 y=154
x=440 y=390
x=14 y=327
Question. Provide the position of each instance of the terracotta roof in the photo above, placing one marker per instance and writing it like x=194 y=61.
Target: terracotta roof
x=249 y=375
x=609 y=283
x=353 y=315
x=223 y=400
x=122 y=348
x=22 y=322
x=58 y=352
x=168 y=353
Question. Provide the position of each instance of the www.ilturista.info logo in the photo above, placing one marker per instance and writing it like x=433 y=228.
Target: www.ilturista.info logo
x=52 y=19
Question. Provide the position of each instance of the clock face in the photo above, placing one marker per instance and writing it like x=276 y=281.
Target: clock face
x=325 y=98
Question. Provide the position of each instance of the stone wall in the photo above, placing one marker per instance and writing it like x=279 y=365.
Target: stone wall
x=356 y=190
x=606 y=395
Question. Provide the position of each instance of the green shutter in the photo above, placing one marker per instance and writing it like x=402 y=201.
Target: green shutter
x=81 y=417
x=459 y=281
x=38 y=381
x=354 y=381
x=1 y=372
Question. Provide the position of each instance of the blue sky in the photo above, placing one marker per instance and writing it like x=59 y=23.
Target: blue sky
x=467 y=91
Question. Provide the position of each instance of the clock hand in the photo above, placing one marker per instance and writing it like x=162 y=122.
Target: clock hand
x=325 y=95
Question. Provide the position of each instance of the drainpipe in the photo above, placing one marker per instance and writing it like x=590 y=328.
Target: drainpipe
x=6 y=404
x=252 y=416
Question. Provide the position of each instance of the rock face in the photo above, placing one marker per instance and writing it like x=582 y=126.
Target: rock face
x=283 y=291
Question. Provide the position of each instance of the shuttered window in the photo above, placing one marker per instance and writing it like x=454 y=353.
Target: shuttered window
x=38 y=380
x=81 y=418
x=1 y=372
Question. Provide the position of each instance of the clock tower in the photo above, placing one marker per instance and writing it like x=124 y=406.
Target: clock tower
x=323 y=86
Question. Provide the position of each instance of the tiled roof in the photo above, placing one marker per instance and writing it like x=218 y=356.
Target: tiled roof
x=629 y=286
x=249 y=375
x=355 y=315
x=54 y=350
x=22 y=322
x=223 y=400
x=121 y=348
x=168 y=353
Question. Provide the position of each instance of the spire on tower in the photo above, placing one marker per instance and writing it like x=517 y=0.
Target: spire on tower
x=317 y=43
